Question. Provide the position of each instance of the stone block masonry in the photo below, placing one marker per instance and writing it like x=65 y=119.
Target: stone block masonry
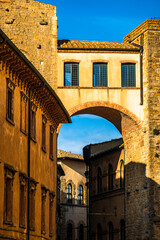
x=32 y=26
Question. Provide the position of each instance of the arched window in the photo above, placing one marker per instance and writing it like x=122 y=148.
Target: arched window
x=81 y=232
x=69 y=231
x=69 y=193
x=122 y=229
x=111 y=234
x=99 y=181
x=99 y=232
x=110 y=177
x=80 y=194
x=122 y=174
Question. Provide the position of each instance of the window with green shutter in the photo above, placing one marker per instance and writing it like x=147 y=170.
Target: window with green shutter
x=100 y=75
x=128 y=74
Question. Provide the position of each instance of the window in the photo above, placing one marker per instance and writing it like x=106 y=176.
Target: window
x=51 y=143
x=99 y=232
x=32 y=205
x=111 y=233
x=100 y=75
x=81 y=232
x=23 y=113
x=10 y=101
x=122 y=174
x=69 y=231
x=69 y=193
x=44 y=121
x=80 y=194
x=22 y=205
x=122 y=226
x=43 y=203
x=128 y=72
x=99 y=180
x=8 y=194
x=71 y=74
x=51 y=199
x=33 y=121
x=110 y=177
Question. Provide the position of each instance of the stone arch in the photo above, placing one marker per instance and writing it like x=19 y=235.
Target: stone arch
x=99 y=108
x=110 y=111
x=73 y=228
x=81 y=222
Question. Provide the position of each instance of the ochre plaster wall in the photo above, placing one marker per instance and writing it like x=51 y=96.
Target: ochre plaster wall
x=13 y=149
x=114 y=93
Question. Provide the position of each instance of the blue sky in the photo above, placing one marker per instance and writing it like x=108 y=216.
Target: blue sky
x=97 y=21
x=102 y=20
x=84 y=130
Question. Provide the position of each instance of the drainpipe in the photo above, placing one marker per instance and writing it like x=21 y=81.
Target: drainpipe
x=141 y=75
x=29 y=156
x=141 y=69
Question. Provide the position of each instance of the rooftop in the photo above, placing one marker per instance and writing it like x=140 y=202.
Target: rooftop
x=67 y=154
x=75 y=44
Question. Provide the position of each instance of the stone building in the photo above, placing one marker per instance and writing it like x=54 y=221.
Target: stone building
x=105 y=163
x=126 y=94
x=73 y=196
x=28 y=147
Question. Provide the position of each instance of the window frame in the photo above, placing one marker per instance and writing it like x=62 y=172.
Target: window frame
x=8 y=194
x=110 y=177
x=69 y=231
x=43 y=209
x=23 y=112
x=32 y=205
x=10 y=101
x=69 y=193
x=71 y=80
x=51 y=142
x=99 y=73
x=122 y=174
x=44 y=125
x=128 y=80
x=51 y=201
x=33 y=121
x=80 y=194
x=99 y=180
x=111 y=231
x=122 y=229
x=22 y=200
x=99 y=232
x=81 y=232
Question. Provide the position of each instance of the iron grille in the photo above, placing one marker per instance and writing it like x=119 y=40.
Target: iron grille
x=71 y=74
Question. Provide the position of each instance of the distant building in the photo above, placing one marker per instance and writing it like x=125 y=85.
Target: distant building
x=28 y=143
x=106 y=190
x=73 y=197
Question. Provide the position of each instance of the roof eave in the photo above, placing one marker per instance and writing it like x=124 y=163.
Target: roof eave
x=12 y=45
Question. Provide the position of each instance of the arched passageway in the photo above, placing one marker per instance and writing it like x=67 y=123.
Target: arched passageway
x=133 y=134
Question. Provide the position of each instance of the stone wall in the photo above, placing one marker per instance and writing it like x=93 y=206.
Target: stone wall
x=148 y=34
x=32 y=26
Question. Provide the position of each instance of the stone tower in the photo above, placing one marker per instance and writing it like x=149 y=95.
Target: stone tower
x=147 y=34
x=32 y=26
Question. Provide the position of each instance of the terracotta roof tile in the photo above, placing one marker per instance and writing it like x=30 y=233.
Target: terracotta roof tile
x=62 y=153
x=94 y=44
